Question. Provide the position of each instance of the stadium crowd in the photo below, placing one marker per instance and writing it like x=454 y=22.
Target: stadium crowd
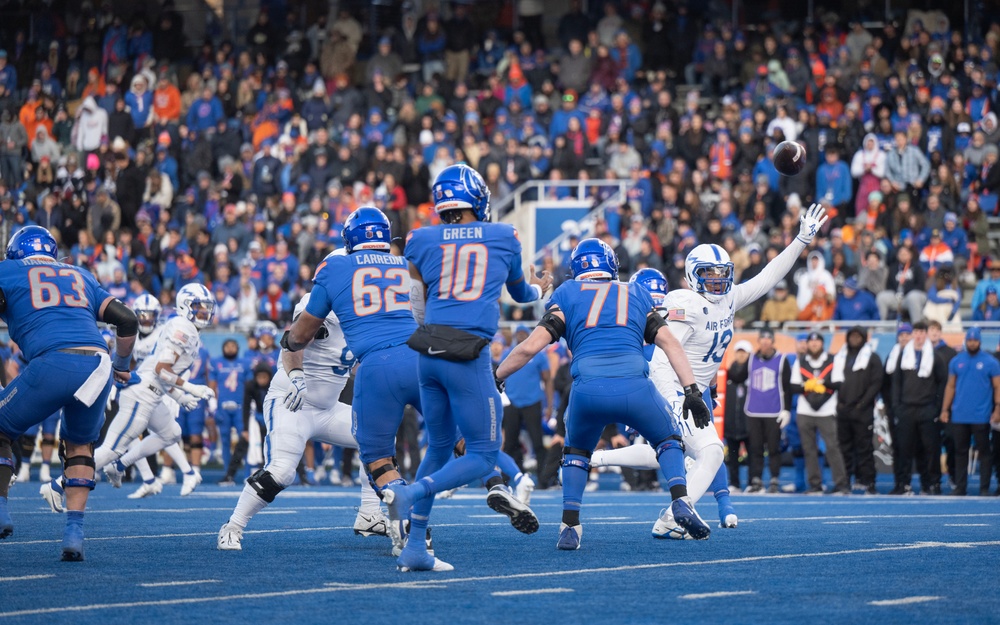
x=234 y=164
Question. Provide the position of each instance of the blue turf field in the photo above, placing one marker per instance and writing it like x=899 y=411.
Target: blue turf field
x=794 y=559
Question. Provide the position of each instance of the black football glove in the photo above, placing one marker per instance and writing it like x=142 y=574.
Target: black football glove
x=694 y=405
x=501 y=385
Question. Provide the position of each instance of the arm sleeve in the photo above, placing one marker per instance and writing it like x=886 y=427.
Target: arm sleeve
x=319 y=305
x=517 y=284
x=758 y=286
x=786 y=384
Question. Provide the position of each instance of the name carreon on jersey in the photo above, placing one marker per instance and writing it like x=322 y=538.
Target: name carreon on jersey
x=327 y=357
x=703 y=328
x=177 y=336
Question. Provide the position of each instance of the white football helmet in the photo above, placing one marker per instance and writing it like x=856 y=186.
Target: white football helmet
x=709 y=271
x=196 y=304
x=147 y=308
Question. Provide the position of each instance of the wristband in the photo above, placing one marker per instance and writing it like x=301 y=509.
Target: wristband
x=121 y=363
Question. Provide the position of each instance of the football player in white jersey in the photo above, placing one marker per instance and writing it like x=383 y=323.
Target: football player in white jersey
x=148 y=403
x=294 y=416
x=701 y=317
x=141 y=405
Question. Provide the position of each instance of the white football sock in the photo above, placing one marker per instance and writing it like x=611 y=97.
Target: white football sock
x=143 y=466
x=369 y=498
x=706 y=465
x=140 y=449
x=176 y=453
x=249 y=504
x=640 y=457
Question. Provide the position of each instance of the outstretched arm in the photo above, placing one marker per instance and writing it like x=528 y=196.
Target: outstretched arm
x=810 y=222
x=525 y=351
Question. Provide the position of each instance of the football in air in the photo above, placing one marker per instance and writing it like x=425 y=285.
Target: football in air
x=789 y=158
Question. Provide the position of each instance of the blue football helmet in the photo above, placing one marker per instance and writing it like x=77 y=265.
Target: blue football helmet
x=367 y=228
x=653 y=281
x=32 y=241
x=709 y=270
x=593 y=259
x=461 y=187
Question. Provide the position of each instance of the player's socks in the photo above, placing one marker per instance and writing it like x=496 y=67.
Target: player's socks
x=140 y=449
x=249 y=504
x=370 y=501
x=705 y=472
x=799 y=464
x=574 y=477
x=671 y=460
x=72 y=544
x=6 y=524
x=145 y=471
x=176 y=453
x=634 y=457
x=720 y=488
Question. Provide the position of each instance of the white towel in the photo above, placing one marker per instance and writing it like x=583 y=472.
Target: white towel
x=840 y=362
x=893 y=359
x=909 y=360
x=91 y=390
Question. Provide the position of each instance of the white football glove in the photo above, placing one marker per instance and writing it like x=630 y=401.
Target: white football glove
x=213 y=405
x=297 y=392
x=188 y=401
x=810 y=222
x=784 y=418
x=198 y=390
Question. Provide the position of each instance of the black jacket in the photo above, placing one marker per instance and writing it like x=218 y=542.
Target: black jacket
x=911 y=391
x=857 y=393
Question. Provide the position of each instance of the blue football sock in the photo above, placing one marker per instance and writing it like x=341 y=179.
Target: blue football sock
x=459 y=472
x=799 y=463
x=74 y=517
x=671 y=461
x=720 y=488
x=574 y=482
x=508 y=466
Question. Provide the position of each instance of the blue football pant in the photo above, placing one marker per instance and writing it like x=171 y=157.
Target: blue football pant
x=385 y=383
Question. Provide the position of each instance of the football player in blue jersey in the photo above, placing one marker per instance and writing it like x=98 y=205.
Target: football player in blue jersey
x=369 y=290
x=267 y=349
x=51 y=310
x=606 y=323
x=458 y=270
x=228 y=376
x=193 y=421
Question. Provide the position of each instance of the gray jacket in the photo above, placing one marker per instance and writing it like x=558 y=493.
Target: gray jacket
x=13 y=137
x=907 y=168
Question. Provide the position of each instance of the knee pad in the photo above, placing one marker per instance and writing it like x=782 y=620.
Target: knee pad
x=575 y=457
x=79 y=482
x=27 y=444
x=713 y=454
x=197 y=444
x=170 y=434
x=48 y=439
x=672 y=442
x=264 y=484
x=374 y=474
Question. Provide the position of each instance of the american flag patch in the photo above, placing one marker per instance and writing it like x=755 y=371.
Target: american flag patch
x=675 y=314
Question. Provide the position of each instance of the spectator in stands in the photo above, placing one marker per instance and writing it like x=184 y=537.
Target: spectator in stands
x=936 y=254
x=833 y=180
x=857 y=376
x=971 y=403
x=904 y=287
x=819 y=308
x=943 y=297
x=907 y=169
x=868 y=167
x=815 y=275
x=989 y=310
x=855 y=303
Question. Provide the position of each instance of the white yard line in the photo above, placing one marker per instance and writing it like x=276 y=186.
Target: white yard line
x=721 y=593
x=905 y=600
x=179 y=583
x=535 y=591
x=24 y=578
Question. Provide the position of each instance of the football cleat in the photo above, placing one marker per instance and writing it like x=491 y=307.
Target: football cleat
x=374 y=524
x=501 y=499
x=569 y=537
x=72 y=544
x=191 y=481
x=147 y=489
x=730 y=521
x=666 y=527
x=54 y=497
x=686 y=517
x=409 y=561
x=168 y=475
x=525 y=486
x=230 y=538
x=114 y=472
